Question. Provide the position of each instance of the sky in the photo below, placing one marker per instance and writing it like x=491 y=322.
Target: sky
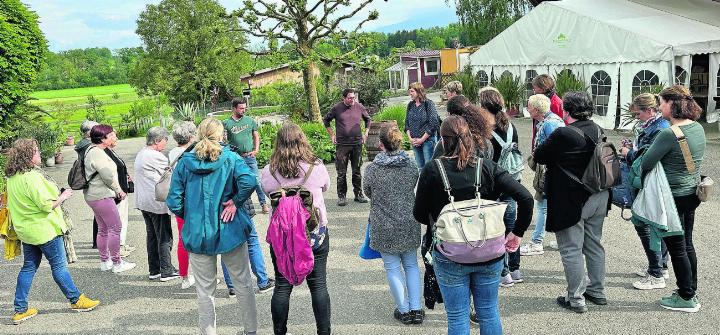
x=73 y=24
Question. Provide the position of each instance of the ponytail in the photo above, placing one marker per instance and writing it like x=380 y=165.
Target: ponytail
x=210 y=132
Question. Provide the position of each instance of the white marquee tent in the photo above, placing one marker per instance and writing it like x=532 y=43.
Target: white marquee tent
x=616 y=46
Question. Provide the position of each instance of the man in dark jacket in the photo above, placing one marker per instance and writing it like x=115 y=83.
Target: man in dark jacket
x=348 y=143
x=573 y=213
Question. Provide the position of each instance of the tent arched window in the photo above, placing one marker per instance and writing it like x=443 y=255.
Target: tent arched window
x=718 y=83
x=482 y=78
x=529 y=76
x=506 y=73
x=644 y=82
x=600 y=84
x=680 y=75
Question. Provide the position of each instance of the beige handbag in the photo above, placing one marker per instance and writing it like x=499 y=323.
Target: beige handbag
x=162 y=188
x=705 y=184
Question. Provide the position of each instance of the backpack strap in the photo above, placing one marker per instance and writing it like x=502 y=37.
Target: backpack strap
x=307 y=174
x=83 y=163
x=506 y=142
x=478 y=175
x=685 y=148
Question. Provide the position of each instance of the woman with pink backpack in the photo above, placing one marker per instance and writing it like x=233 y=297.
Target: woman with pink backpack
x=293 y=164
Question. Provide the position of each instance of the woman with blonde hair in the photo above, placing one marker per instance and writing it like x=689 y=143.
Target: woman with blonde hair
x=213 y=177
x=37 y=218
x=421 y=124
x=389 y=182
x=644 y=106
x=290 y=161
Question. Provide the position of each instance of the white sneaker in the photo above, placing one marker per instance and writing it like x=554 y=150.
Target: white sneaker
x=123 y=266
x=649 y=283
x=507 y=281
x=106 y=265
x=643 y=273
x=553 y=245
x=187 y=282
x=531 y=249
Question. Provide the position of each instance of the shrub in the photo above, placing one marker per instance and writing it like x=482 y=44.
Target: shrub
x=469 y=82
x=135 y=121
x=566 y=81
x=316 y=134
x=185 y=111
x=397 y=113
x=94 y=110
x=371 y=87
x=512 y=90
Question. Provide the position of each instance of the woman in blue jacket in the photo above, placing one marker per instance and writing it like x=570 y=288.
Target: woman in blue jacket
x=644 y=106
x=208 y=185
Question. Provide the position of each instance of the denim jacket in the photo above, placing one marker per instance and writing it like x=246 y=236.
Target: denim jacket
x=546 y=127
x=646 y=137
x=197 y=191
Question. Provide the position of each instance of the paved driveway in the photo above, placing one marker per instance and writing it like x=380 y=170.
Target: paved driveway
x=361 y=302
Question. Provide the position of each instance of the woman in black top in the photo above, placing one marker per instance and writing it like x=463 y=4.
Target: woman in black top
x=481 y=279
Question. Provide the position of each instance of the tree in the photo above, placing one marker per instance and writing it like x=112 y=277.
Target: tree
x=22 y=53
x=303 y=24
x=190 y=51
x=482 y=20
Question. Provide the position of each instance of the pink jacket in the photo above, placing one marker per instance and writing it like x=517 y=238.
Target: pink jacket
x=317 y=183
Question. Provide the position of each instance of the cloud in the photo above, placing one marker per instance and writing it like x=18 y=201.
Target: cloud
x=71 y=24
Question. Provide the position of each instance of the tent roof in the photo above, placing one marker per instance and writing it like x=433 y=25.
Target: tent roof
x=608 y=31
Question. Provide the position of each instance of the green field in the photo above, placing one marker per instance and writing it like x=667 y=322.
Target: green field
x=69 y=106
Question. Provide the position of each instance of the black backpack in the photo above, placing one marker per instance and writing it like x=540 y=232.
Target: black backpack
x=603 y=170
x=76 y=177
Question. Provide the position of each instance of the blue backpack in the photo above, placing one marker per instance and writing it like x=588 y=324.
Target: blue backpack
x=510 y=156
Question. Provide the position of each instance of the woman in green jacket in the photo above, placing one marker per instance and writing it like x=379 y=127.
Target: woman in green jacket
x=34 y=205
x=679 y=107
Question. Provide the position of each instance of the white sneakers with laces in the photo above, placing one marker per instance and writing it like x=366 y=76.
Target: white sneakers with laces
x=106 y=265
x=649 y=283
x=123 y=266
x=531 y=249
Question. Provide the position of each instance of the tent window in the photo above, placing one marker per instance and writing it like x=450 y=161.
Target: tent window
x=600 y=86
x=644 y=82
x=718 y=83
x=506 y=73
x=680 y=75
x=529 y=76
x=482 y=78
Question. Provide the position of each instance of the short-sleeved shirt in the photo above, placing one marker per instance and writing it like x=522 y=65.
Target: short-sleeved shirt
x=240 y=132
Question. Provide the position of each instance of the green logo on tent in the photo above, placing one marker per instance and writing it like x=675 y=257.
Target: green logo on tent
x=561 y=40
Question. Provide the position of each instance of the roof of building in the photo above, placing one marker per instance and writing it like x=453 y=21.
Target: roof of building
x=421 y=54
x=402 y=65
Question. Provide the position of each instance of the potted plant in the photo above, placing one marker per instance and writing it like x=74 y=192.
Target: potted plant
x=70 y=140
x=512 y=91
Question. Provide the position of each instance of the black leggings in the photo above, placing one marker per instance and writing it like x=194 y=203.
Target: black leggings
x=316 y=281
x=681 y=249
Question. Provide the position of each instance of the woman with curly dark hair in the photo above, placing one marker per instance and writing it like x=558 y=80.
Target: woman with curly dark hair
x=37 y=218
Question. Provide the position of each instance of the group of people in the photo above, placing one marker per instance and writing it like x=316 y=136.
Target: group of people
x=214 y=173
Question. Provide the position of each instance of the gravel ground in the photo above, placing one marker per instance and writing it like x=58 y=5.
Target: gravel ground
x=361 y=302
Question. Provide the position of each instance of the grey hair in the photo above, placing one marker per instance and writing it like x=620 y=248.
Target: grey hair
x=86 y=126
x=156 y=135
x=183 y=131
x=539 y=102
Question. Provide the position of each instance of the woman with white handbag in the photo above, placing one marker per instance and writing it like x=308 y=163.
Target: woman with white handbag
x=470 y=237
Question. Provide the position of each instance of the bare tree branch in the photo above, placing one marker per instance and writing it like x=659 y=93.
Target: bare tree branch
x=336 y=22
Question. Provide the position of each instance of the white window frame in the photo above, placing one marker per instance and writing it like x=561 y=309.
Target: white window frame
x=596 y=82
x=428 y=73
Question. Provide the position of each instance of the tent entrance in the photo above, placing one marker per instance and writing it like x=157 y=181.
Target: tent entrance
x=699 y=81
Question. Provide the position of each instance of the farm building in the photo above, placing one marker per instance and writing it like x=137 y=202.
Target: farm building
x=422 y=66
x=618 y=47
x=284 y=73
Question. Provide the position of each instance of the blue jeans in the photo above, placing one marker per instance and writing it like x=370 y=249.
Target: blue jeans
x=457 y=282
x=257 y=262
x=512 y=259
x=424 y=153
x=657 y=260
x=399 y=282
x=252 y=163
x=54 y=252
x=539 y=233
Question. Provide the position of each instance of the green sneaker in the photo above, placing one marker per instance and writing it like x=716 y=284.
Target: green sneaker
x=676 y=303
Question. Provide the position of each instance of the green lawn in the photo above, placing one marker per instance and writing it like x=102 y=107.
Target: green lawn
x=84 y=92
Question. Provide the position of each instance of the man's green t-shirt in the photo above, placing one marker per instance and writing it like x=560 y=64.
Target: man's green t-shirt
x=240 y=132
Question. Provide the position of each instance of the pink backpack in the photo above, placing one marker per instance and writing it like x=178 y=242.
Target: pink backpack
x=288 y=239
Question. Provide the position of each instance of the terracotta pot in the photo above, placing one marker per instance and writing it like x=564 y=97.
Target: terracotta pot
x=70 y=141
x=59 y=158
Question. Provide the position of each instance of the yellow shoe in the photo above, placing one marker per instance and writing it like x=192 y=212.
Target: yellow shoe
x=84 y=304
x=18 y=318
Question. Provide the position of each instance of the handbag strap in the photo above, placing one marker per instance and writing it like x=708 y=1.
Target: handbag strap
x=685 y=148
x=446 y=182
